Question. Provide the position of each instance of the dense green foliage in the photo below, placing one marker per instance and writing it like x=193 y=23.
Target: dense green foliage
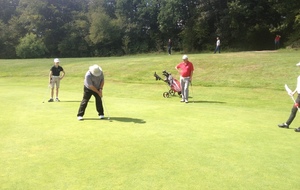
x=31 y=47
x=83 y=28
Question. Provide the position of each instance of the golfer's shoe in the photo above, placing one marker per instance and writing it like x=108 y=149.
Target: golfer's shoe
x=80 y=118
x=101 y=116
x=297 y=129
x=57 y=100
x=51 y=100
x=283 y=125
x=182 y=100
x=186 y=101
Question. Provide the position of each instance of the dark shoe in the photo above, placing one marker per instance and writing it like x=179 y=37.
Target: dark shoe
x=51 y=100
x=297 y=130
x=283 y=125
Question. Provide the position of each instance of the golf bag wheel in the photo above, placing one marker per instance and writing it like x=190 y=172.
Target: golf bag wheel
x=166 y=95
x=179 y=93
x=172 y=92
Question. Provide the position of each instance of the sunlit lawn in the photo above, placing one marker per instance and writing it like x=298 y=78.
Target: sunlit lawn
x=225 y=138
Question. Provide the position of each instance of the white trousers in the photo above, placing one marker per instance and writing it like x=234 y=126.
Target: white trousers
x=184 y=82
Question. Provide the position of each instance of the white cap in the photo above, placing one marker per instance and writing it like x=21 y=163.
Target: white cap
x=56 y=60
x=95 y=70
x=184 y=57
x=298 y=64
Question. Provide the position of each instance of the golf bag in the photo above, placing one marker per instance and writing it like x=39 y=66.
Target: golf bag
x=172 y=83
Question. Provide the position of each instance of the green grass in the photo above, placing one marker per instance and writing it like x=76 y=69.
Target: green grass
x=225 y=138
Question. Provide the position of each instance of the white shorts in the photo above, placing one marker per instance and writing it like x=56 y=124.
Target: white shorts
x=55 y=80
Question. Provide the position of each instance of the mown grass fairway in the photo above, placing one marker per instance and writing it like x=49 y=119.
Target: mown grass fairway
x=225 y=138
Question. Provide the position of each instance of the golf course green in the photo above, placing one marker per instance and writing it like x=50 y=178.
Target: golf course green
x=226 y=137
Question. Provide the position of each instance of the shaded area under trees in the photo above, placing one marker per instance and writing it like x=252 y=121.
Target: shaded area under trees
x=84 y=28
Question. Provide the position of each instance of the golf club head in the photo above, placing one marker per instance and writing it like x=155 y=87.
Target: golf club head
x=157 y=77
x=165 y=73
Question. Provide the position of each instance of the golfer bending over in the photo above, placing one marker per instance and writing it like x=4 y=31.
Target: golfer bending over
x=295 y=106
x=93 y=85
x=186 y=70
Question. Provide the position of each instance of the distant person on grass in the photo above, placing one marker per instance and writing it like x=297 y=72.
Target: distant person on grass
x=295 y=106
x=277 y=41
x=54 y=78
x=186 y=70
x=218 y=45
x=93 y=85
x=170 y=46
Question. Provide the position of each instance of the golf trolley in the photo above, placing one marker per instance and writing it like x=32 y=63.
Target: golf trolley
x=172 y=83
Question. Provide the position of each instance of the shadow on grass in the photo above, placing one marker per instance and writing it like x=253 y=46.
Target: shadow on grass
x=207 y=102
x=72 y=101
x=120 y=119
x=293 y=128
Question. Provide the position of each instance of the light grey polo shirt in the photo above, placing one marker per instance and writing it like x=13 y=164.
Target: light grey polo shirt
x=90 y=79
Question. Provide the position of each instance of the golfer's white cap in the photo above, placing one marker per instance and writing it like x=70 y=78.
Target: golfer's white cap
x=184 y=57
x=298 y=64
x=56 y=60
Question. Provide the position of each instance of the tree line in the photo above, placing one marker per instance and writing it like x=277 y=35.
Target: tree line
x=85 y=28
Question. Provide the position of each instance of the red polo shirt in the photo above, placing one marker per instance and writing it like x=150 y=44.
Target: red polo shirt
x=186 y=69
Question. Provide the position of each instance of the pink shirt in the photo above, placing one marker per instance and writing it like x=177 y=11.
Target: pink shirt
x=186 y=69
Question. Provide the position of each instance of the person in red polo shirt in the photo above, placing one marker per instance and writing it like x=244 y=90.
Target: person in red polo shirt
x=277 y=41
x=186 y=69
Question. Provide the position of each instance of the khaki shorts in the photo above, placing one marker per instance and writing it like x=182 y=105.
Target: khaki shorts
x=55 y=80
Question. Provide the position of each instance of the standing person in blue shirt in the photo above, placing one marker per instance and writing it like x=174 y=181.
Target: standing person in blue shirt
x=218 y=44
x=54 y=78
x=93 y=85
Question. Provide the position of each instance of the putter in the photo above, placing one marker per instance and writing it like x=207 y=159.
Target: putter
x=108 y=117
x=289 y=91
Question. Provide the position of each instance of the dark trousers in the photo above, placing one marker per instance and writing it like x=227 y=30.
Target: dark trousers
x=87 y=93
x=218 y=49
x=277 y=45
x=293 y=111
x=169 y=50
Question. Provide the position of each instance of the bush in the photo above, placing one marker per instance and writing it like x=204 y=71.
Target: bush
x=31 y=47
